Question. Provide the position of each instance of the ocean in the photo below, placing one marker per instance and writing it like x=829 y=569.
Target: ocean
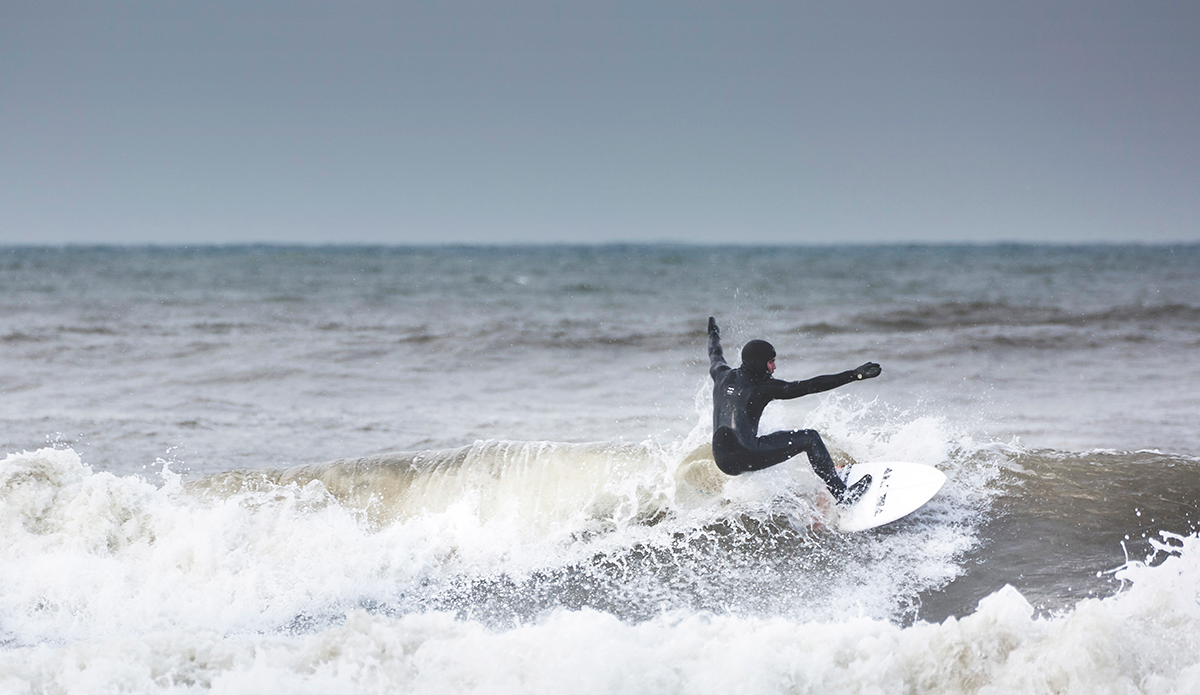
x=256 y=469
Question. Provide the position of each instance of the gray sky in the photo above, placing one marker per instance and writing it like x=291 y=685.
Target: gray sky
x=769 y=122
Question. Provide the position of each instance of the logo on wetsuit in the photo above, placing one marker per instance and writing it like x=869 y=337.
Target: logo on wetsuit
x=887 y=472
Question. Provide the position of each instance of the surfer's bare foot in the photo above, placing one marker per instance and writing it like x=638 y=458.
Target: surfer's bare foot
x=852 y=493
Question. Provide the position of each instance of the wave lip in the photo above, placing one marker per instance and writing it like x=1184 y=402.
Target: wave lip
x=545 y=487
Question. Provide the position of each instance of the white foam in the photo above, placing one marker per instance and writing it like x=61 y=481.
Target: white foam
x=1146 y=639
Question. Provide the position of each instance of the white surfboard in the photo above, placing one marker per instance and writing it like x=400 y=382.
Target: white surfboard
x=897 y=488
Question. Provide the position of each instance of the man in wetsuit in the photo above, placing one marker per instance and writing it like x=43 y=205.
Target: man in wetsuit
x=739 y=397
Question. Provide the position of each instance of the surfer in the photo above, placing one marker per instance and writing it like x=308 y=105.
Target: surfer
x=739 y=397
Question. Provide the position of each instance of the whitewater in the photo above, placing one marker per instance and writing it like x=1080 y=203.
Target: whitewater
x=477 y=469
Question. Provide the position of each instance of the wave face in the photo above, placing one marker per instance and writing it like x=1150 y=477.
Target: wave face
x=487 y=470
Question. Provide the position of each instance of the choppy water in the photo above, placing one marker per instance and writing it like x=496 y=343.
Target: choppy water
x=485 y=469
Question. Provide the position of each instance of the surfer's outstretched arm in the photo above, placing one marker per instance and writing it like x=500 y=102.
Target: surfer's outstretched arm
x=819 y=384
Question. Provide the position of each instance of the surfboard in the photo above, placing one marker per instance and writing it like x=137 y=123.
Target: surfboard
x=897 y=489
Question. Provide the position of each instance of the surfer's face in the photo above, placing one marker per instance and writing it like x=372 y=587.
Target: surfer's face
x=771 y=366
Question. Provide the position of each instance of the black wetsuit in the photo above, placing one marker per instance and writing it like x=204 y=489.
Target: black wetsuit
x=739 y=397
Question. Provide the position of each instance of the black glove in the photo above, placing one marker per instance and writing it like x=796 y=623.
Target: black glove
x=712 y=327
x=870 y=370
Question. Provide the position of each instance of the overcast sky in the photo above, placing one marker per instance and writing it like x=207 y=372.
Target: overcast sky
x=761 y=122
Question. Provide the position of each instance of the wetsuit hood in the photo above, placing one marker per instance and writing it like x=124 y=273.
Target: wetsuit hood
x=755 y=355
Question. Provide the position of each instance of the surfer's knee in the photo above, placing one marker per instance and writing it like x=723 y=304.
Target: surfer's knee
x=729 y=466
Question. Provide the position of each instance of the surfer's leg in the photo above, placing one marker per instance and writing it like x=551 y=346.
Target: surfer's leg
x=791 y=443
x=734 y=459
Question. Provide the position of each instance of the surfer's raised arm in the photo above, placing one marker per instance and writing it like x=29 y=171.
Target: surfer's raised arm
x=716 y=358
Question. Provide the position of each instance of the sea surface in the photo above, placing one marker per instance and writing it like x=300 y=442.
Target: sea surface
x=486 y=469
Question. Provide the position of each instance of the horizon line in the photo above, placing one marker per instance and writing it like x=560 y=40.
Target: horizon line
x=596 y=244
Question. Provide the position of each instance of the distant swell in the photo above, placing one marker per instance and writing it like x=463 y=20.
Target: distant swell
x=959 y=315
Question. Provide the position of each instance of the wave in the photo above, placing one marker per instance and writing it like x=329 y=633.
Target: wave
x=411 y=571
x=496 y=531
x=149 y=560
